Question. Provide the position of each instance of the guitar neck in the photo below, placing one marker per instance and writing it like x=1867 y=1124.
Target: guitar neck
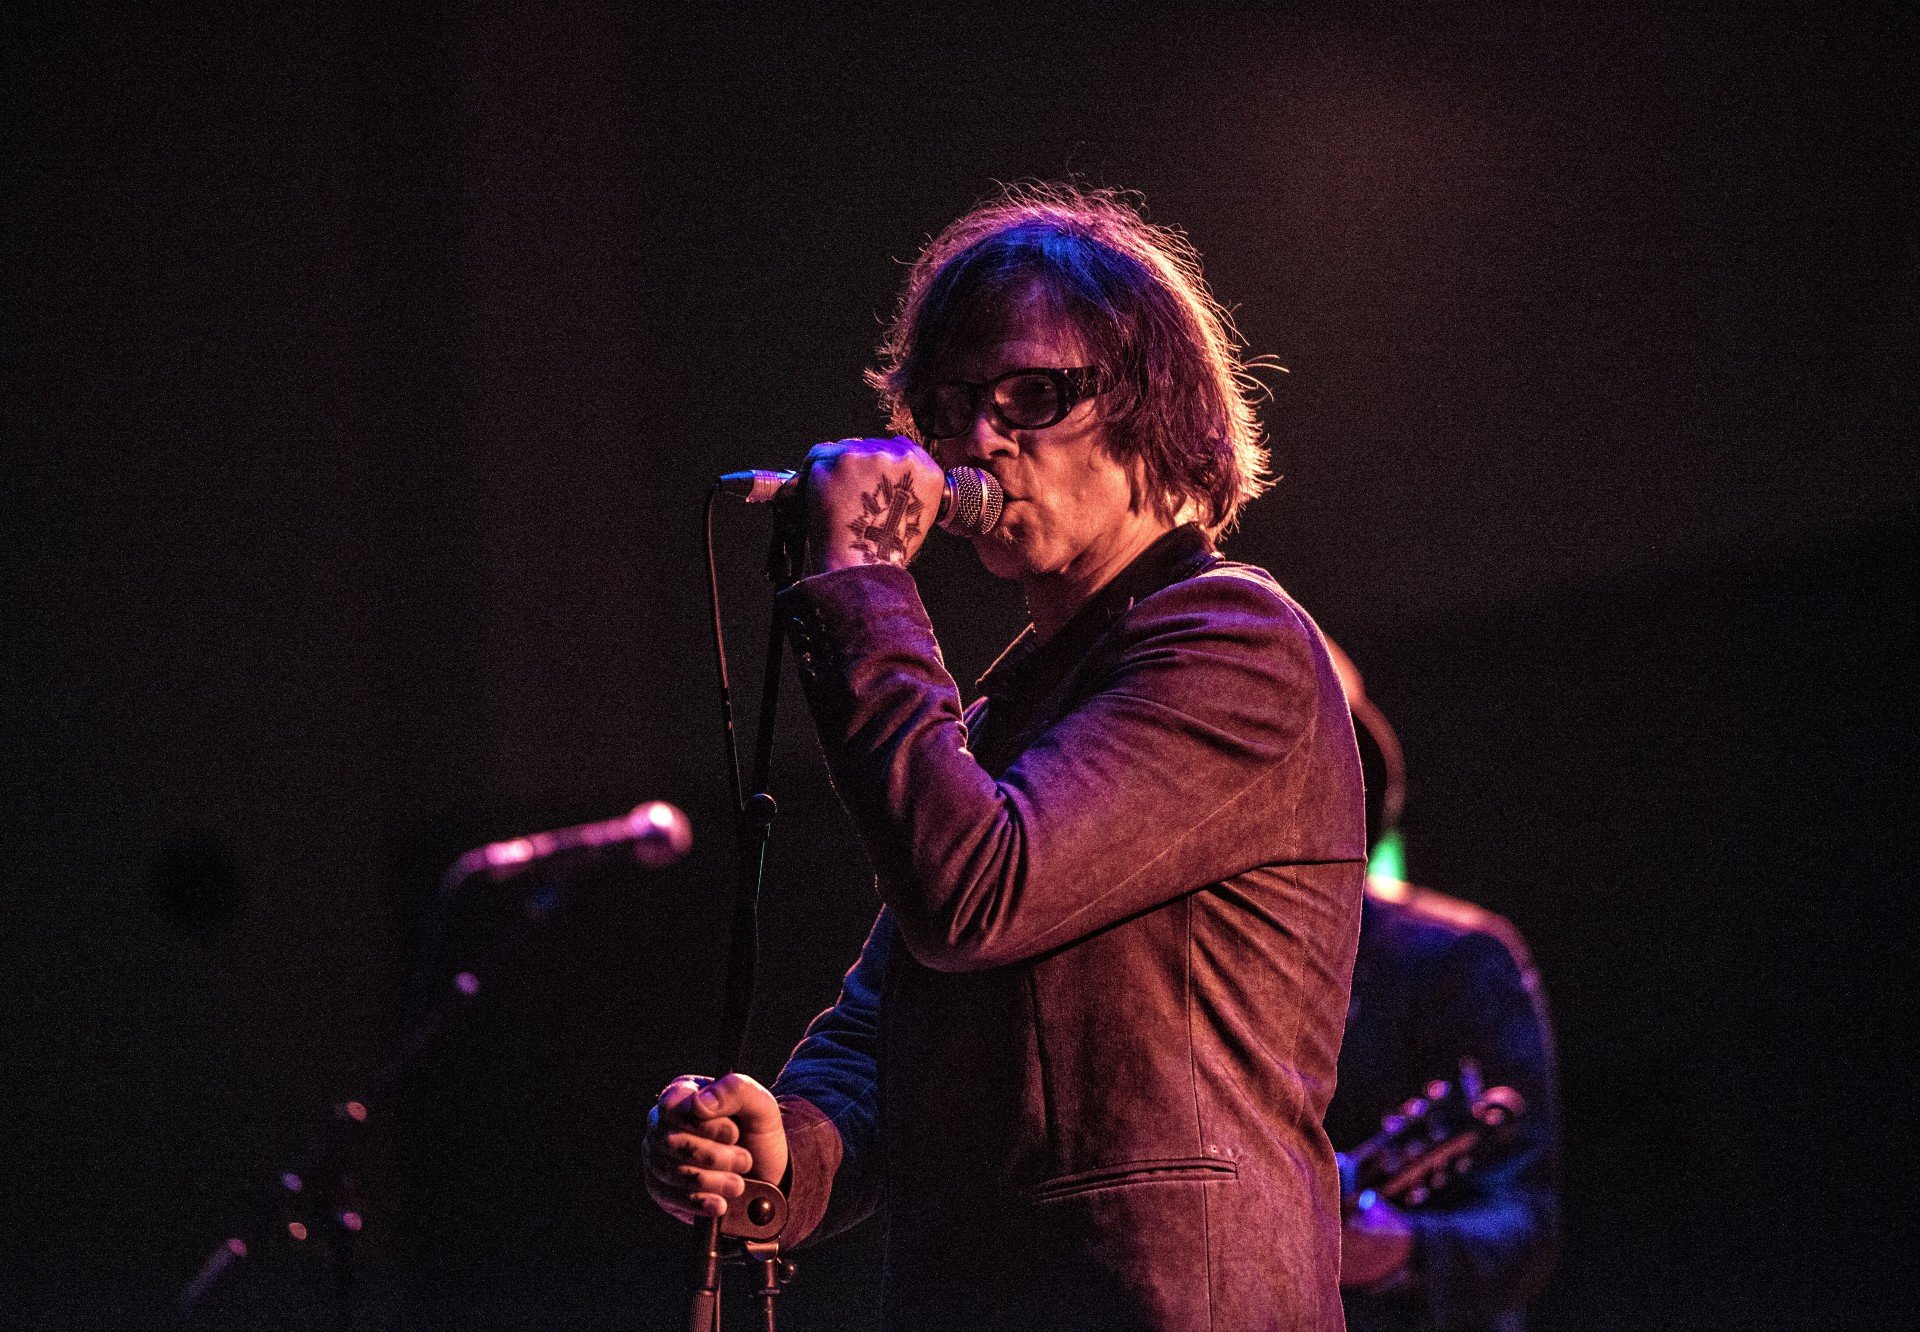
x=1433 y=1140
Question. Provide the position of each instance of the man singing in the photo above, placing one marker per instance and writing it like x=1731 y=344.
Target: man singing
x=1082 y=1060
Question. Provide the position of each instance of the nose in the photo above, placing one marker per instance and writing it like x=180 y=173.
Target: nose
x=989 y=436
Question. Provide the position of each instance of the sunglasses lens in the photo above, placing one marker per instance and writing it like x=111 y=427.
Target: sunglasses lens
x=1028 y=401
x=946 y=411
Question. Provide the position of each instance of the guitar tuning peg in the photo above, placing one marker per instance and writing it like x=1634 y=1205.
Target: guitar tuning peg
x=1437 y=1090
x=1462 y=1164
x=1414 y=1109
x=1416 y=1195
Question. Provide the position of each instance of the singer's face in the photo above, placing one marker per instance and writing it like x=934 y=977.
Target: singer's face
x=1069 y=517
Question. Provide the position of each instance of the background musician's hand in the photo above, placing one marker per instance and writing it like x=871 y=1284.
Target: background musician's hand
x=869 y=501
x=704 y=1137
x=1376 y=1242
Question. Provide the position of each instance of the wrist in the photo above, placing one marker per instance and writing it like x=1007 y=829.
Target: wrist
x=829 y=556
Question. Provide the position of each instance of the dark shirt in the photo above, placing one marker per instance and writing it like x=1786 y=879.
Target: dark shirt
x=1029 y=671
x=1438 y=979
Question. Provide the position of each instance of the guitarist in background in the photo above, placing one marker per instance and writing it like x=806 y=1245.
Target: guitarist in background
x=1438 y=980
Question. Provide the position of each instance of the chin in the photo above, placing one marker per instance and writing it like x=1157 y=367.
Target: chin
x=1000 y=556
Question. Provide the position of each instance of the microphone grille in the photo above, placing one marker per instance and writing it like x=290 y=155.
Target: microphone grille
x=661 y=833
x=977 y=502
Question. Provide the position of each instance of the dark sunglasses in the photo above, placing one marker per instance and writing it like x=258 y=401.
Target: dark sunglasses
x=1030 y=399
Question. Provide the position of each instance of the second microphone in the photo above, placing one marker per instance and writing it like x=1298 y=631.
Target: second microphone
x=969 y=505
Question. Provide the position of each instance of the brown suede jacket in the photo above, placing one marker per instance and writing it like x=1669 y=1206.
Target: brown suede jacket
x=1083 y=1058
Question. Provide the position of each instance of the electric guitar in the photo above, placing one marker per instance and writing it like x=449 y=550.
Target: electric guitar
x=1429 y=1141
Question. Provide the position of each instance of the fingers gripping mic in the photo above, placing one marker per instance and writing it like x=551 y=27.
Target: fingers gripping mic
x=969 y=505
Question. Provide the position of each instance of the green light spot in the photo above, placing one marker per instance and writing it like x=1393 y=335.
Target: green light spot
x=1389 y=857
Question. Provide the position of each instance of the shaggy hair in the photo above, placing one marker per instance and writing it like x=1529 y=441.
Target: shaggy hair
x=1177 y=397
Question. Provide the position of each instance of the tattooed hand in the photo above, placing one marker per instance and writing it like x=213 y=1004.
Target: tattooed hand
x=869 y=501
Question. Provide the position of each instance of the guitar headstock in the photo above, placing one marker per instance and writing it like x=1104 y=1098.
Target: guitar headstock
x=1430 y=1140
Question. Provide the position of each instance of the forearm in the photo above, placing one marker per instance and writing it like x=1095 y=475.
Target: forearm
x=829 y=1102
x=1158 y=781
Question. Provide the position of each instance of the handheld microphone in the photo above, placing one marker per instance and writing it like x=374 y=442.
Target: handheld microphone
x=970 y=504
x=658 y=833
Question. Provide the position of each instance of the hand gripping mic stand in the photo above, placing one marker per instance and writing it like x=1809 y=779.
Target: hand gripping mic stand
x=756 y=1219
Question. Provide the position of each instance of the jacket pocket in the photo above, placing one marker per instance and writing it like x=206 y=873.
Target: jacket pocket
x=1130 y=1174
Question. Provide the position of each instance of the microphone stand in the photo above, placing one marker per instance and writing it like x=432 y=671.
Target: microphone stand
x=758 y=1217
x=314 y=1205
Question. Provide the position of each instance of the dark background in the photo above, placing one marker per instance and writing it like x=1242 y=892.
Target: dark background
x=362 y=380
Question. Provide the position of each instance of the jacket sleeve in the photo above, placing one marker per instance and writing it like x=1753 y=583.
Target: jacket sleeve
x=1490 y=1242
x=1171 y=773
x=829 y=1095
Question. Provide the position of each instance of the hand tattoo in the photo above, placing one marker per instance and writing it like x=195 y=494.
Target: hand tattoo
x=891 y=519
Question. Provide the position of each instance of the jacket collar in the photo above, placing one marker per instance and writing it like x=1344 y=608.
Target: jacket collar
x=1028 y=670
